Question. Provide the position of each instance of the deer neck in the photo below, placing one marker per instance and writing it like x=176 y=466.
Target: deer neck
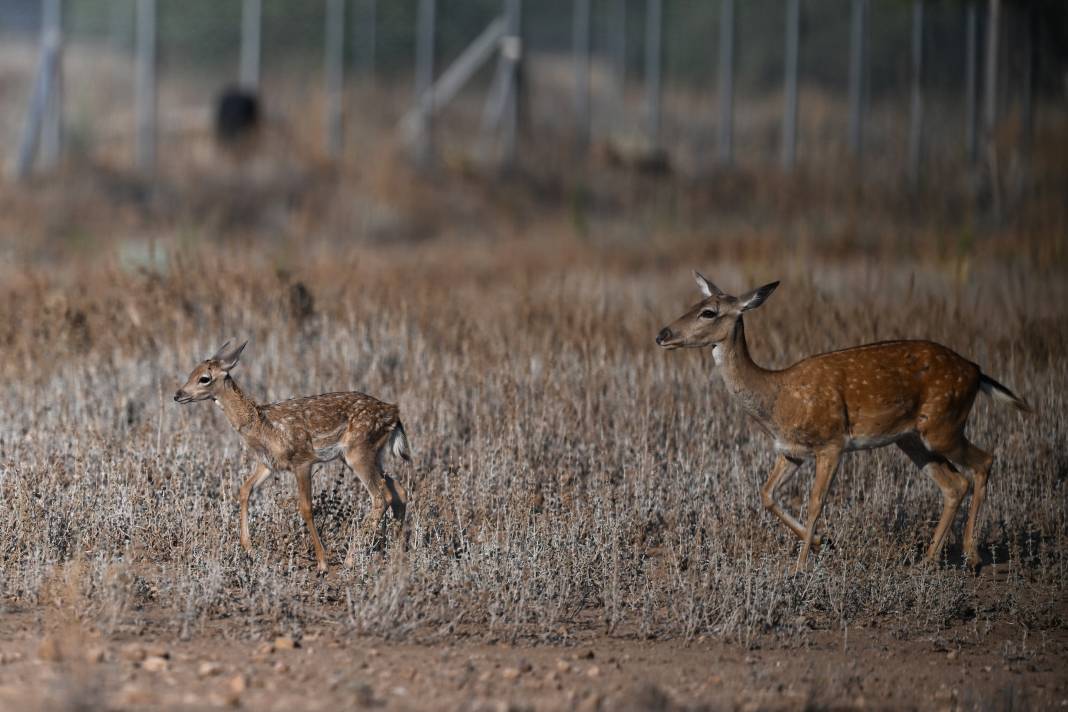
x=752 y=385
x=240 y=410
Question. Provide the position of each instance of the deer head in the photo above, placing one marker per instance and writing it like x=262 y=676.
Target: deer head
x=207 y=378
x=711 y=321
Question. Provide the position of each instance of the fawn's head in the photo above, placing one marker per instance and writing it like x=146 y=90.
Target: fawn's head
x=712 y=319
x=208 y=377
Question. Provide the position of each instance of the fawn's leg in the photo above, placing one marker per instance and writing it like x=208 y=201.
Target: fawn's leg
x=304 y=503
x=364 y=463
x=783 y=471
x=398 y=501
x=247 y=487
x=826 y=466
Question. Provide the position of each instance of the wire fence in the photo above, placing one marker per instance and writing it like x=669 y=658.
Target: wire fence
x=899 y=85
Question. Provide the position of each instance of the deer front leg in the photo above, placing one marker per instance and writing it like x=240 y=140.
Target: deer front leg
x=304 y=503
x=783 y=471
x=247 y=487
x=826 y=466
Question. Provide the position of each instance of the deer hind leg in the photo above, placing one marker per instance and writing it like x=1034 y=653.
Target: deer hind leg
x=826 y=466
x=784 y=470
x=247 y=487
x=304 y=503
x=364 y=463
x=954 y=487
x=977 y=462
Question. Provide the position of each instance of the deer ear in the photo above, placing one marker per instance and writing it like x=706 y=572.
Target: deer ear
x=753 y=299
x=227 y=356
x=707 y=288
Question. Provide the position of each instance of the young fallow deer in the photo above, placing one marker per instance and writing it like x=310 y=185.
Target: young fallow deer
x=916 y=394
x=297 y=434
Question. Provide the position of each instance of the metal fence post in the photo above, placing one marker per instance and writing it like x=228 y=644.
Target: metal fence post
x=993 y=29
x=52 y=129
x=580 y=39
x=364 y=40
x=335 y=75
x=916 y=109
x=654 y=14
x=726 y=81
x=251 y=24
x=424 y=79
x=512 y=49
x=857 y=59
x=145 y=85
x=789 y=121
x=971 y=83
x=618 y=44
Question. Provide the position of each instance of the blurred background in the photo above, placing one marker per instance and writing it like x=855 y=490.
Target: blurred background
x=934 y=100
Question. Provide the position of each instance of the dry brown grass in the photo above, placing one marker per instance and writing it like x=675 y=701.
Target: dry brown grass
x=568 y=474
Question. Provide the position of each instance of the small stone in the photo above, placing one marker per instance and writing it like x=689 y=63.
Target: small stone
x=209 y=668
x=714 y=680
x=95 y=654
x=154 y=663
x=563 y=666
x=6 y=658
x=132 y=652
x=238 y=684
x=135 y=696
x=952 y=654
x=49 y=650
x=284 y=642
x=525 y=666
x=588 y=655
x=280 y=667
x=510 y=673
x=594 y=671
x=264 y=649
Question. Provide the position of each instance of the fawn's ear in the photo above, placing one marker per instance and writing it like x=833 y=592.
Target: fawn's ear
x=227 y=356
x=753 y=299
x=707 y=288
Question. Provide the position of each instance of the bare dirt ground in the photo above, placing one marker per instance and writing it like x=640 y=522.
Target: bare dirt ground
x=873 y=665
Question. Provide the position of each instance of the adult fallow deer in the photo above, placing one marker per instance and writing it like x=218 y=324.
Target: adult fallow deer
x=916 y=394
x=297 y=434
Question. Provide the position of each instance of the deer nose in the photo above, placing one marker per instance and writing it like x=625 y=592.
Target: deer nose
x=664 y=335
x=178 y=396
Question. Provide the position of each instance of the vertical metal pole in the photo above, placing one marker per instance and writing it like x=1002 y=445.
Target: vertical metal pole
x=993 y=29
x=364 y=40
x=619 y=59
x=52 y=130
x=1030 y=77
x=424 y=79
x=654 y=15
x=145 y=85
x=857 y=59
x=251 y=24
x=971 y=82
x=789 y=120
x=726 y=81
x=335 y=75
x=916 y=109
x=580 y=39
x=512 y=50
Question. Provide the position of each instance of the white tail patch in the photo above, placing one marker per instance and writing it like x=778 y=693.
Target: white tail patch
x=1001 y=394
x=398 y=444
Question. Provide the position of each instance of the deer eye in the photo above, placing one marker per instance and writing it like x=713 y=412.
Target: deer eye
x=205 y=379
x=708 y=314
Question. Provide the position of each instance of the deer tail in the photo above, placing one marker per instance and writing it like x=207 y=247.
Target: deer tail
x=1002 y=394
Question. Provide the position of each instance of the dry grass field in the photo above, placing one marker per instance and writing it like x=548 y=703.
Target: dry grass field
x=585 y=527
